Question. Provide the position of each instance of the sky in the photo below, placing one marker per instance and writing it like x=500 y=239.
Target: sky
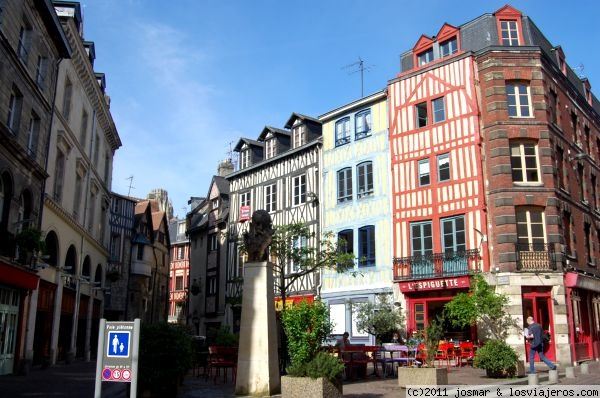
x=188 y=78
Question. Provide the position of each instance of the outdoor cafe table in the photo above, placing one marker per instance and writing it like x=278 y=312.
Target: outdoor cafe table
x=356 y=357
x=396 y=354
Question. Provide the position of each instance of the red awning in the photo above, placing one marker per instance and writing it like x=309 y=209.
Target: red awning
x=18 y=277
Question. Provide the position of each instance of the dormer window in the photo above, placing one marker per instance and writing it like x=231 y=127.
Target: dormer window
x=270 y=148
x=342 y=131
x=244 y=157
x=215 y=203
x=448 y=47
x=425 y=57
x=299 y=135
x=508 y=22
x=509 y=33
x=363 y=124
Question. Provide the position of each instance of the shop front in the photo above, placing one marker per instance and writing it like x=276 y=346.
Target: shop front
x=583 y=299
x=425 y=300
x=537 y=303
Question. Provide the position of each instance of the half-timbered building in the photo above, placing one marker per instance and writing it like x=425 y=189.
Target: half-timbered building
x=494 y=149
x=355 y=200
x=278 y=173
x=179 y=270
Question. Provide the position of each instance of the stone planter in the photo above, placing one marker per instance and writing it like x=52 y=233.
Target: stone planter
x=409 y=376
x=305 y=387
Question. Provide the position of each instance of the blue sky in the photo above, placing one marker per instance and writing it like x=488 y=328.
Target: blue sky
x=188 y=78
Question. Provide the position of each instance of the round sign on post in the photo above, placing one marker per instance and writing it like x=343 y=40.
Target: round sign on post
x=126 y=375
x=116 y=374
x=106 y=374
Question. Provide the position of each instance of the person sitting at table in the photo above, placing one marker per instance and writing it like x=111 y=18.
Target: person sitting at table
x=396 y=339
x=344 y=341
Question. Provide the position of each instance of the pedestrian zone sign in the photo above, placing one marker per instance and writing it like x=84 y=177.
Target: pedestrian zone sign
x=118 y=343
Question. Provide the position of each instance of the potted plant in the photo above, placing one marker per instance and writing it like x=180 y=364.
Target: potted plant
x=497 y=358
x=29 y=242
x=313 y=372
x=427 y=374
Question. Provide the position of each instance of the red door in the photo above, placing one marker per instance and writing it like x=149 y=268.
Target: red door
x=537 y=302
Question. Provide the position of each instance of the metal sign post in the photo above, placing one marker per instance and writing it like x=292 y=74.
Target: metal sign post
x=118 y=349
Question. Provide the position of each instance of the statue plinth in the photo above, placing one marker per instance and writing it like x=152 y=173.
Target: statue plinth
x=258 y=361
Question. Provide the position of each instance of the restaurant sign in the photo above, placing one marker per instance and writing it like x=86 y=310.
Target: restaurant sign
x=460 y=282
x=244 y=213
x=290 y=301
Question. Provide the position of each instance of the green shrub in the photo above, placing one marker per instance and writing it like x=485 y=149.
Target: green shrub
x=222 y=337
x=497 y=358
x=324 y=365
x=166 y=355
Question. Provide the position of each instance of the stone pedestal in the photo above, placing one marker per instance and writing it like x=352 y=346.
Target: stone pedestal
x=533 y=379
x=258 y=362
x=553 y=376
x=585 y=368
x=570 y=372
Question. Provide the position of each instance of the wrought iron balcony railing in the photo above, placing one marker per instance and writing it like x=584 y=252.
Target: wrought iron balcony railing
x=535 y=257
x=436 y=265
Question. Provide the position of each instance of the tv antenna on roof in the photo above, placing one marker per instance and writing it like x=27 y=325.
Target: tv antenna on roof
x=130 y=178
x=360 y=67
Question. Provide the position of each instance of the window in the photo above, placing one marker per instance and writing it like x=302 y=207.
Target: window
x=140 y=252
x=560 y=160
x=14 y=110
x=270 y=148
x=509 y=33
x=245 y=198
x=41 y=71
x=530 y=228
x=366 y=246
x=594 y=187
x=448 y=47
x=212 y=242
x=244 y=158
x=66 y=108
x=364 y=172
x=179 y=282
x=33 y=134
x=83 y=129
x=363 y=124
x=299 y=244
x=215 y=203
x=424 y=173
x=518 y=100
x=342 y=131
x=59 y=173
x=299 y=190
x=523 y=162
x=179 y=252
x=425 y=57
x=581 y=185
x=553 y=106
x=421 y=238
x=453 y=234
x=77 y=197
x=96 y=149
x=443 y=164
x=92 y=210
x=299 y=136
x=421 y=112
x=271 y=198
x=346 y=241
x=24 y=43
x=587 y=232
x=439 y=112
x=344 y=178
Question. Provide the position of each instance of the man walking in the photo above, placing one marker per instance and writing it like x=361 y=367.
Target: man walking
x=536 y=344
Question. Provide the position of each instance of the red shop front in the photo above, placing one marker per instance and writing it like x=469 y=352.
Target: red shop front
x=425 y=300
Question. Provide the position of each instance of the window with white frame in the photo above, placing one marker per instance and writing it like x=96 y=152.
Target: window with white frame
x=453 y=234
x=344 y=180
x=342 y=131
x=366 y=246
x=421 y=114
x=424 y=172
x=299 y=135
x=443 y=165
x=180 y=252
x=337 y=317
x=524 y=161
x=33 y=134
x=448 y=47
x=438 y=109
x=245 y=198
x=425 y=57
x=518 y=97
x=364 y=174
x=299 y=190
x=14 y=110
x=270 y=148
x=531 y=231
x=213 y=242
x=244 y=158
x=362 y=122
x=421 y=238
x=346 y=241
x=299 y=245
x=355 y=332
x=215 y=203
x=509 y=33
x=271 y=198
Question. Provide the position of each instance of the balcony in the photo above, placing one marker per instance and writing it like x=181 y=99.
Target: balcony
x=436 y=265
x=535 y=257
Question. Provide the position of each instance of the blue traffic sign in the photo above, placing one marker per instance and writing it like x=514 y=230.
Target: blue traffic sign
x=117 y=344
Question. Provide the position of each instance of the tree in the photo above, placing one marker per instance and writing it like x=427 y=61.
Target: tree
x=481 y=305
x=380 y=318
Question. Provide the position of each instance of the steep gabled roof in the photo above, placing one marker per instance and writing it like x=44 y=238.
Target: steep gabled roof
x=248 y=141
x=274 y=130
x=290 y=123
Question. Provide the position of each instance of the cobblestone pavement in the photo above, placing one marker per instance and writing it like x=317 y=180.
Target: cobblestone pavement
x=77 y=380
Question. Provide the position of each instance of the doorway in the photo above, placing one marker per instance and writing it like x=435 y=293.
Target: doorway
x=537 y=303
